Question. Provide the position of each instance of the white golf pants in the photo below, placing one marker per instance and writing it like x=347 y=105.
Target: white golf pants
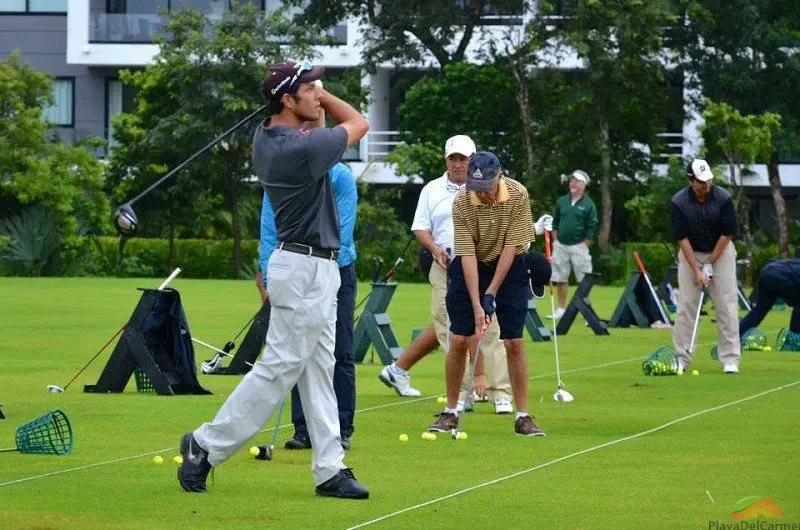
x=299 y=349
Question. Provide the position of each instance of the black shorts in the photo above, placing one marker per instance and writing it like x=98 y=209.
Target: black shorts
x=512 y=298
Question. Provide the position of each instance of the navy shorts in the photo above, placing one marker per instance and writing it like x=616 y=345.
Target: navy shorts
x=512 y=298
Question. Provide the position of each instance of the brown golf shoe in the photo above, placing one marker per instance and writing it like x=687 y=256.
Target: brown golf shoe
x=525 y=426
x=446 y=422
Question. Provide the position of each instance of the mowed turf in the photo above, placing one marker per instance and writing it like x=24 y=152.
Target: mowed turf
x=667 y=478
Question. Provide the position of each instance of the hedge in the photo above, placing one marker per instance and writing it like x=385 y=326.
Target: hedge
x=202 y=258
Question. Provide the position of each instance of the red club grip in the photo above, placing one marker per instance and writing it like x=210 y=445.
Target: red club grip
x=639 y=263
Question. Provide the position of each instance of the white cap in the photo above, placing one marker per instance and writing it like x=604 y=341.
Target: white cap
x=461 y=144
x=701 y=170
x=580 y=175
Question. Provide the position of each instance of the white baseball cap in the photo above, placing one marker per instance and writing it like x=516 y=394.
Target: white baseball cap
x=580 y=175
x=700 y=170
x=461 y=144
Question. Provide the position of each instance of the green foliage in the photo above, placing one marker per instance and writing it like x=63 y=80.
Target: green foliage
x=733 y=138
x=646 y=211
x=33 y=242
x=36 y=169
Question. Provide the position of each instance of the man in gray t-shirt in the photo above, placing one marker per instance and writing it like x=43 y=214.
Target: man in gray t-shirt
x=303 y=279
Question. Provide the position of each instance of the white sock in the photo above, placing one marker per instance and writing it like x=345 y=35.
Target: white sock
x=522 y=415
x=396 y=369
x=451 y=411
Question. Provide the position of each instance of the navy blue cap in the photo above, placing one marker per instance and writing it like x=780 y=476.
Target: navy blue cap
x=482 y=170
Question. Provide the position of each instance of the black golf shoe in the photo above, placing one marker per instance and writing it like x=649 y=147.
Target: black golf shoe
x=195 y=467
x=344 y=486
x=300 y=441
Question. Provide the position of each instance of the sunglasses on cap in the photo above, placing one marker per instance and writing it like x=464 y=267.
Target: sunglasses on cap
x=299 y=69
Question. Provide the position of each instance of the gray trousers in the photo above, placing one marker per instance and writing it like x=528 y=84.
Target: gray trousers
x=299 y=349
x=724 y=293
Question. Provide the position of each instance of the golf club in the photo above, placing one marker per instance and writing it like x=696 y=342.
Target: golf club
x=696 y=323
x=125 y=219
x=210 y=365
x=265 y=452
x=560 y=394
x=470 y=385
x=656 y=299
x=391 y=272
x=219 y=352
x=55 y=389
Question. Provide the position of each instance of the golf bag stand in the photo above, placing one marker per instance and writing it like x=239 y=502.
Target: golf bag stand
x=251 y=345
x=375 y=327
x=580 y=303
x=533 y=323
x=157 y=341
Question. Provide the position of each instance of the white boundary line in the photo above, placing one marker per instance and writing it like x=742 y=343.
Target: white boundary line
x=573 y=455
x=376 y=407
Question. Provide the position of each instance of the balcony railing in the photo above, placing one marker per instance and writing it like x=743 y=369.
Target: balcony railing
x=140 y=28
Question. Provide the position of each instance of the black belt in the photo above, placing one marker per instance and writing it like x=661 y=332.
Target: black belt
x=298 y=248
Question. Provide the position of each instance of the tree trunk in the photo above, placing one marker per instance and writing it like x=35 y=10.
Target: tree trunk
x=524 y=102
x=606 y=206
x=233 y=192
x=780 y=206
x=742 y=205
x=171 y=247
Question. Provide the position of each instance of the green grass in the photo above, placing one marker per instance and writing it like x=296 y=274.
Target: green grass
x=50 y=327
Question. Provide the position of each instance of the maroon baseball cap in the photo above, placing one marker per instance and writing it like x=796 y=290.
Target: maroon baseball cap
x=285 y=76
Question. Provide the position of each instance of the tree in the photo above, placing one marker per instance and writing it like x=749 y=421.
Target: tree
x=205 y=78
x=38 y=169
x=621 y=92
x=414 y=31
x=739 y=141
x=744 y=53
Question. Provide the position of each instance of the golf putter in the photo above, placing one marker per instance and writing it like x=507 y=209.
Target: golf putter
x=470 y=385
x=265 y=452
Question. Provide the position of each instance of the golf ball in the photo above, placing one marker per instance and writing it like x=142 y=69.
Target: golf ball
x=403 y=438
x=158 y=459
x=254 y=450
x=695 y=372
x=767 y=348
x=441 y=399
x=428 y=436
x=178 y=460
x=461 y=436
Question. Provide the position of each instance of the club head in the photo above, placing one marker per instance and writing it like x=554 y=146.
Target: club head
x=563 y=396
x=54 y=389
x=125 y=220
x=454 y=433
x=229 y=346
x=265 y=452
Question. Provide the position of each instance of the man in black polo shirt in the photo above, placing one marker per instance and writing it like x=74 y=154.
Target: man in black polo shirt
x=302 y=280
x=703 y=224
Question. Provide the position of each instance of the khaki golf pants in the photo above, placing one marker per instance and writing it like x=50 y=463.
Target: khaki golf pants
x=298 y=349
x=494 y=351
x=724 y=293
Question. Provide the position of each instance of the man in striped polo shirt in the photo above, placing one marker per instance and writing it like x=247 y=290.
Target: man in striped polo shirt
x=493 y=228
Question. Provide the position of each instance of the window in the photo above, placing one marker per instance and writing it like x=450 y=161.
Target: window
x=33 y=6
x=62 y=111
x=119 y=98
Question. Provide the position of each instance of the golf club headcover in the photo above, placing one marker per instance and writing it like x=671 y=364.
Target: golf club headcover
x=539 y=271
x=489 y=304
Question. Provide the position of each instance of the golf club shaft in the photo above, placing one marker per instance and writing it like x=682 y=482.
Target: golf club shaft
x=656 y=299
x=9 y=450
x=744 y=299
x=195 y=155
x=471 y=382
x=391 y=272
x=548 y=249
x=278 y=421
x=697 y=321
x=220 y=352
x=169 y=279
x=85 y=366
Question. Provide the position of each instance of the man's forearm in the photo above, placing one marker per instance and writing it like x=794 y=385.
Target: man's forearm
x=426 y=240
x=470 y=266
x=719 y=248
x=688 y=253
x=503 y=264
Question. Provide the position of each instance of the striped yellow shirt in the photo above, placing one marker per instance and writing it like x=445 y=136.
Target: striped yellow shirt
x=482 y=230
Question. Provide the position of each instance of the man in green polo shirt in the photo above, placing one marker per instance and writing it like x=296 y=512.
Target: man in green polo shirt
x=575 y=222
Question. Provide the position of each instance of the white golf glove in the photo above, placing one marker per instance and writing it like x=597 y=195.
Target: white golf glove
x=544 y=224
x=708 y=271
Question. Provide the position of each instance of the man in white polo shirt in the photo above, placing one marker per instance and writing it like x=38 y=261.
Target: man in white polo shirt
x=433 y=228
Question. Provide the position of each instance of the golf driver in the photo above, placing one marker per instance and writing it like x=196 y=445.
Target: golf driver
x=55 y=389
x=696 y=324
x=219 y=352
x=470 y=385
x=560 y=394
x=125 y=220
x=265 y=452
